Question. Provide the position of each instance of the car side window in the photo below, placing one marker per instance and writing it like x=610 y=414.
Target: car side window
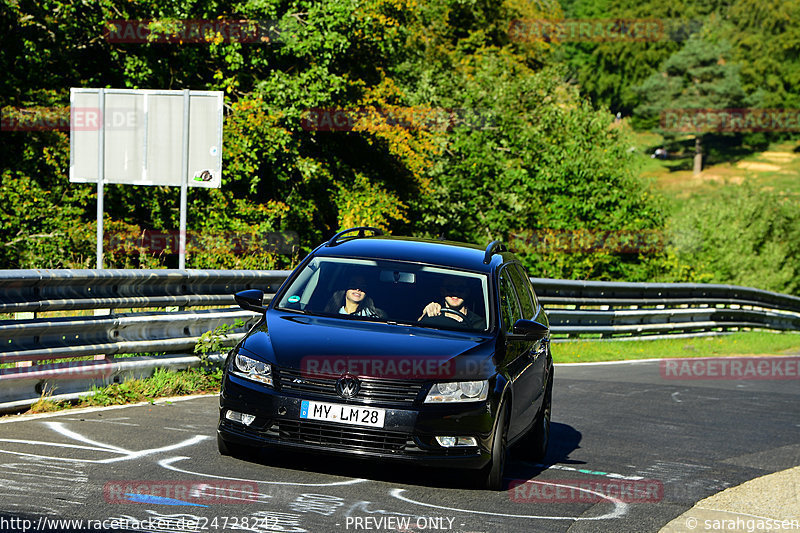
x=523 y=291
x=509 y=308
x=529 y=286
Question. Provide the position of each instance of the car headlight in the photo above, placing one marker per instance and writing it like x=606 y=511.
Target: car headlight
x=458 y=391
x=253 y=369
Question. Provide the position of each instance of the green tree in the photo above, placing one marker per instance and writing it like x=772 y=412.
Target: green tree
x=699 y=76
x=609 y=69
x=765 y=40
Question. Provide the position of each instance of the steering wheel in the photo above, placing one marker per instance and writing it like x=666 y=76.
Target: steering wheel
x=455 y=312
x=441 y=320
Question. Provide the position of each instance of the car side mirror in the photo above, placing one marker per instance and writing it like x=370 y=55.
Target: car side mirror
x=530 y=329
x=251 y=300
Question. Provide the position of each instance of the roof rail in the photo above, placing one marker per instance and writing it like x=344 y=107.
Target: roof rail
x=493 y=248
x=360 y=229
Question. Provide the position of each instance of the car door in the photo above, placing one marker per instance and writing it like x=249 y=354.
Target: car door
x=536 y=373
x=517 y=359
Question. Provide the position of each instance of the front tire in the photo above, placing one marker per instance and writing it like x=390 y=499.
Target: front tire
x=491 y=477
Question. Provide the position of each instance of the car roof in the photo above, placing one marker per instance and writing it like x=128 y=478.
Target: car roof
x=435 y=252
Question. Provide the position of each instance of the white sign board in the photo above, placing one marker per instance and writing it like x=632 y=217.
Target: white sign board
x=142 y=136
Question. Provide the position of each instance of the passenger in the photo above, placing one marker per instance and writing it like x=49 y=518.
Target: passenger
x=354 y=300
x=455 y=294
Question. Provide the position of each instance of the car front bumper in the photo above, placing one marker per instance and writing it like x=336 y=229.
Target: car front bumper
x=408 y=434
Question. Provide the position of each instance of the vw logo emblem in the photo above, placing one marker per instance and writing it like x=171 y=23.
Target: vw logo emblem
x=347 y=387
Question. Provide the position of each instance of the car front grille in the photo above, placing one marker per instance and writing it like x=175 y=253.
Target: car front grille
x=352 y=438
x=373 y=390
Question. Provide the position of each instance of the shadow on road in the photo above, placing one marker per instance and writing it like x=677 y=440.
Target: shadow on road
x=564 y=440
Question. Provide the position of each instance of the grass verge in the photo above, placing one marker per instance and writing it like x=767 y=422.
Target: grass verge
x=162 y=384
x=745 y=343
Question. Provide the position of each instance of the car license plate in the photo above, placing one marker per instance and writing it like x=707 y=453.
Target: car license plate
x=343 y=414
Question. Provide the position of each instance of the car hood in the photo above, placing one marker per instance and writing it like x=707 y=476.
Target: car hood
x=333 y=346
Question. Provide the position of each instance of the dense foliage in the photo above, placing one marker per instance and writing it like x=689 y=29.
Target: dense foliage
x=744 y=237
x=763 y=39
x=459 y=128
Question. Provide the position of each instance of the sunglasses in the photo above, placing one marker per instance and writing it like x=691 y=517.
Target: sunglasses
x=457 y=292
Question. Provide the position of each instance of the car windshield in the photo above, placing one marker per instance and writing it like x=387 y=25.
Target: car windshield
x=389 y=291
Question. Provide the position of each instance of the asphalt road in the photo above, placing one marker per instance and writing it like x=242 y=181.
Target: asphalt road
x=663 y=443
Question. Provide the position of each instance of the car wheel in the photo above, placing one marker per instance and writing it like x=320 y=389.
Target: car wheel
x=232 y=449
x=491 y=477
x=539 y=437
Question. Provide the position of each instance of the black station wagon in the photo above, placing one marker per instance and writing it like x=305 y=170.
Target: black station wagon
x=431 y=352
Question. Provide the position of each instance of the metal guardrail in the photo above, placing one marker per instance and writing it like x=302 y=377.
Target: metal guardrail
x=562 y=292
x=646 y=310
x=136 y=311
x=38 y=352
x=58 y=290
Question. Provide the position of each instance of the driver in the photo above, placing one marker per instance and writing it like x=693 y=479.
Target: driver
x=455 y=293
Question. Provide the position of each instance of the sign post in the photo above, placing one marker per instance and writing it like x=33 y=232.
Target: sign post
x=184 y=181
x=146 y=137
x=101 y=150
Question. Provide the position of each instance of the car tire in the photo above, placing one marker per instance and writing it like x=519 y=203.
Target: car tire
x=491 y=476
x=538 y=439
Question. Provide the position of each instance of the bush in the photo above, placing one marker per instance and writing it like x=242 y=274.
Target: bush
x=739 y=235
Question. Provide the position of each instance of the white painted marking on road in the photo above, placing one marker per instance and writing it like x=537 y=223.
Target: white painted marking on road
x=28 y=479
x=674 y=397
x=135 y=455
x=58 y=444
x=125 y=455
x=60 y=428
x=620 y=508
x=48 y=475
x=61 y=472
x=323 y=504
x=49 y=457
x=167 y=463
